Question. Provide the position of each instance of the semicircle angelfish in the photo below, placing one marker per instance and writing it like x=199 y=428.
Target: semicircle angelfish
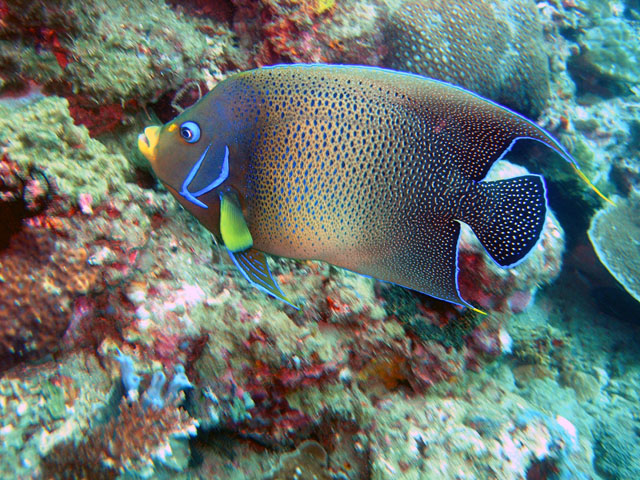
x=368 y=169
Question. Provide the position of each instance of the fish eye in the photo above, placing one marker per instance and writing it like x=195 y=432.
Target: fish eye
x=190 y=131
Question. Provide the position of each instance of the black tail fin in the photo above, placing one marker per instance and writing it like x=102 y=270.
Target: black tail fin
x=507 y=216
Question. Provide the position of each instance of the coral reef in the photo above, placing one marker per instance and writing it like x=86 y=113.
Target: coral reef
x=41 y=274
x=22 y=196
x=39 y=132
x=607 y=59
x=458 y=44
x=615 y=454
x=310 y=31
x=132 y=441
x=100 y=268
x=612 y=233
x=43 y=405
x=592 y=114
x=128 y=443
x=108 y=60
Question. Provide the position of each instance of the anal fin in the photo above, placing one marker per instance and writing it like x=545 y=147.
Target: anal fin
x=253 y=265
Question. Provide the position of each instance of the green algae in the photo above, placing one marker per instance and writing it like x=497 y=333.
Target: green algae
x=42 y=133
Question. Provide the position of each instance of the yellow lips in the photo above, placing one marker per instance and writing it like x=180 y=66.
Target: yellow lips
x=148 y=142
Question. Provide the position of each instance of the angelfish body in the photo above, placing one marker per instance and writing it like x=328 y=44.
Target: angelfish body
x=367 y=169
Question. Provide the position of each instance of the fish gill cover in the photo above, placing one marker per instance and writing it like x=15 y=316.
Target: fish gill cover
x=99 y=263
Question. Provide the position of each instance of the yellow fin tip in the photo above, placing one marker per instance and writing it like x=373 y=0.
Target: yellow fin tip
x=477 y=310
x=588 y=182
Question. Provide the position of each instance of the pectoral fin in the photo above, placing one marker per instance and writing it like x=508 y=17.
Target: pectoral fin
x=253 y=265
x=233 y=227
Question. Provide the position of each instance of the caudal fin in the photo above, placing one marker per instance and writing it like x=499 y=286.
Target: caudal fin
x=507 y=217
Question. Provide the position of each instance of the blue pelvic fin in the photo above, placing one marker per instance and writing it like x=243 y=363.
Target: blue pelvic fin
x=253 y=265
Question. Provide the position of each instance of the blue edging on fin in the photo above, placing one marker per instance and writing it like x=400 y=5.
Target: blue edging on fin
x=282 y=296
x=559 y=148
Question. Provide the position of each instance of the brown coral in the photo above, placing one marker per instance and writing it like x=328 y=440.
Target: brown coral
x=491 y=48
x=42 y=270
x=39 y=278
x=124 y=444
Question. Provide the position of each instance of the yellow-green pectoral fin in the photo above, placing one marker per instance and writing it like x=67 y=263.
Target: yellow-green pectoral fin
x=233 y=227
x=253 y=265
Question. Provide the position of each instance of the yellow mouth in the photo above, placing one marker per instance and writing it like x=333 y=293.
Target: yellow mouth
x=148 y=142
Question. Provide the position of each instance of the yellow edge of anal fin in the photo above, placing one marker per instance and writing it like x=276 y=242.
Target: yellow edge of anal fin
x=588 y=182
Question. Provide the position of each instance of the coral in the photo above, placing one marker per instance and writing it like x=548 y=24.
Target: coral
x=40 y=279
x=491 y=434
x=44 y=404
x=108 y=60
x=21 y=419
x=308 y=31
x=62 y=271
x=40 y=132
x=22 y=195
x=460 y=44
x=140 y=435
x=611 y=233
x=616 y=449
x=128 y=443
x=272 y=417
x=154 y=397
x=376 y=375
x=431 y=363
x=585 y=385
x=61 y=275
x=607 y=61
x=538 y=352
x=307 y=462
x=447 y=327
